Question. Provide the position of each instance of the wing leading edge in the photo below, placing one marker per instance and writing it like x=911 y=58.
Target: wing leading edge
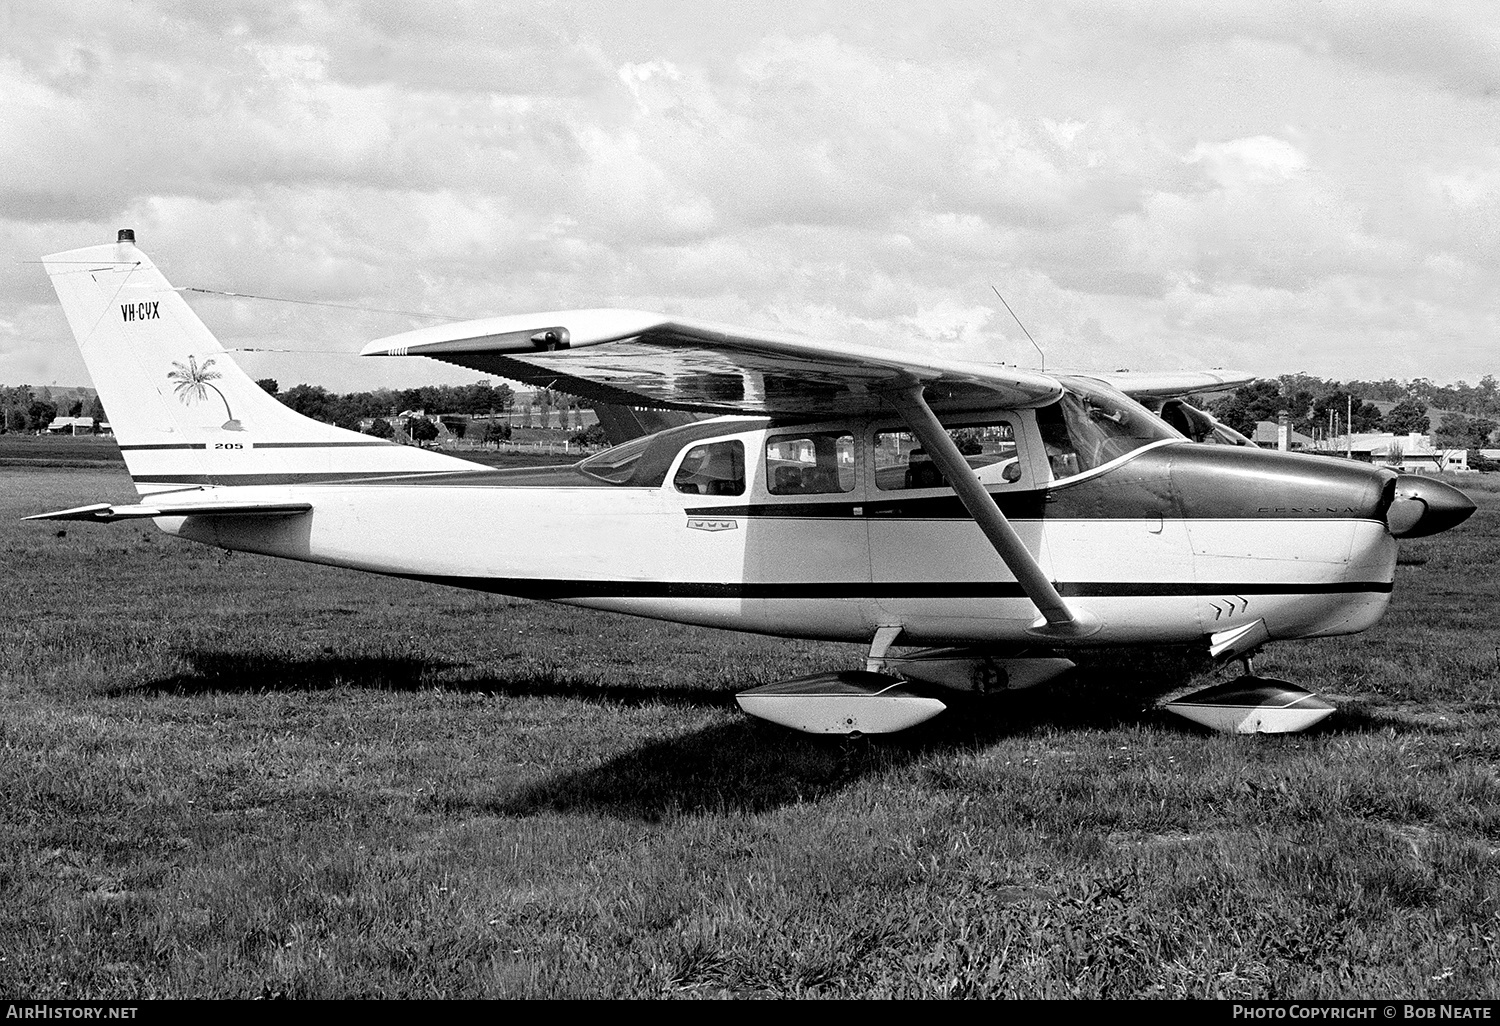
x=630 y=358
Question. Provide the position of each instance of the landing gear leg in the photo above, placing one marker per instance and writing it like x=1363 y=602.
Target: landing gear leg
x=884 y=638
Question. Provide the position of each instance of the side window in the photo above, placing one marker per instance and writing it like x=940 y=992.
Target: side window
x=717 y=468
x=901 y=462
x=811 y=463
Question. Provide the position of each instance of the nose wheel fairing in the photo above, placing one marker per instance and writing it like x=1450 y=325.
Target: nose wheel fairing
x=1253 y=705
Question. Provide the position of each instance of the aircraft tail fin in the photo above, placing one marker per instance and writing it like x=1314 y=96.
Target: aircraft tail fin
x=182 y=410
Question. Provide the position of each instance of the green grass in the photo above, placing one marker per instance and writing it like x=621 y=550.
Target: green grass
x=228 y=776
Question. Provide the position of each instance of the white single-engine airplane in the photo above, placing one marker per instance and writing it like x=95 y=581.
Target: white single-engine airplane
x=995 y=519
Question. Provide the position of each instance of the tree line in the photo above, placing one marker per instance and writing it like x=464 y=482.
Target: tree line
x=348 y=409
x=24 y=408
x=1315 y=406
x=351 y=410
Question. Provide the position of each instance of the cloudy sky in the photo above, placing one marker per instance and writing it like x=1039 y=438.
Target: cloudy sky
x=1270 y=186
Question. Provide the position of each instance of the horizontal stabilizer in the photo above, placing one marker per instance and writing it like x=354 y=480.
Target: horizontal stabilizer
x=105 y=513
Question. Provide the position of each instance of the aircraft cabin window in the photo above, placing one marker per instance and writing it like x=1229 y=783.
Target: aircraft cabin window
x=717 y=468
x=1092 y=424
x=812 y=463
x=901 y=462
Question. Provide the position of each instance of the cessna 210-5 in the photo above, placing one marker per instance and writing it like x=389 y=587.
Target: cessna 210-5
x=973 y=523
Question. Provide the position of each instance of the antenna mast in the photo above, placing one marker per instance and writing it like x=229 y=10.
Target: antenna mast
x=1023 y=328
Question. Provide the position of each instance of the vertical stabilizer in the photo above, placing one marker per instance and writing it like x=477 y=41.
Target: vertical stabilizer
x=183 y=412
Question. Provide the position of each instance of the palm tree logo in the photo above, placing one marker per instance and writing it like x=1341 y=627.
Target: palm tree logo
x=193 y=383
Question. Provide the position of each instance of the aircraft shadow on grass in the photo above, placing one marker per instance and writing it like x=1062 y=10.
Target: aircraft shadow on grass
x=749 y=767
x=244 y=673
x=743 y=765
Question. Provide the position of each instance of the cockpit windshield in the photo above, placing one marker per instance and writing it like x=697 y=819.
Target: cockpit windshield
x=1093 y=424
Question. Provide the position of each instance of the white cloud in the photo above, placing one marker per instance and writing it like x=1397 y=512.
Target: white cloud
x=1149 y=183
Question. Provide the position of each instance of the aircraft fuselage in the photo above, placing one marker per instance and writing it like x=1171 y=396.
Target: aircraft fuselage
x=1167 y=543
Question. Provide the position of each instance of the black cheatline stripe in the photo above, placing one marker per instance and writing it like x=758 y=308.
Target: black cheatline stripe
x=164 y=445
x=1022 y=506
x=321 y=445
x=555 y=589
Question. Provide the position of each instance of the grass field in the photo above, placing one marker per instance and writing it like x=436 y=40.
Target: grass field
x=228 y=776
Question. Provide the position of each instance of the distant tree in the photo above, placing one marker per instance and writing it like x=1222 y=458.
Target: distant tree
x=1249 y=404
x=40 y=413
x=421 y=429
x=1407 y=416
x=75 y=408
x=1298 y=394
x=381 y=428
x=270 y=385
x=313 y=401
x=15 y=419
x=593 y=435
x=1366 y=414
x=1460 y=432
x=96 y=410
x=495 y=431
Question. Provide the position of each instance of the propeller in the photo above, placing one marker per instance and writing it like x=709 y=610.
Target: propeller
x=1421 y=506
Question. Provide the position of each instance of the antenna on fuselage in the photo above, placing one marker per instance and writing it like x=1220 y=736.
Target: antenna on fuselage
x=1023 y=328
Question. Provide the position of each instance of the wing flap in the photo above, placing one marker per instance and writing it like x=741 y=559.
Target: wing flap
x=105 y=513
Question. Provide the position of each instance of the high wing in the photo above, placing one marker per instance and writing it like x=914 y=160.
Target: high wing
x=630 y=358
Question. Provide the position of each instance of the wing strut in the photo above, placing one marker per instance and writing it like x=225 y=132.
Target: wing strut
x=1058 y=620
